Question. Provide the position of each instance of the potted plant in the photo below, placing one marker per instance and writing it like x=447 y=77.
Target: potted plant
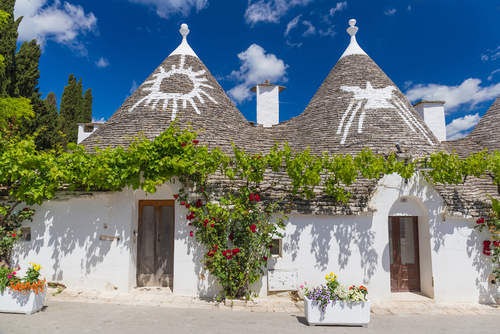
x=335 y=304
x=21 y=295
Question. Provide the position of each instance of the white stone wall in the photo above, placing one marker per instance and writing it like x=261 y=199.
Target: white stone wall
x=65 y=241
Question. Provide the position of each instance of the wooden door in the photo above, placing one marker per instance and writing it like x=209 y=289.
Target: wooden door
x=155 y=246
x=404 y=254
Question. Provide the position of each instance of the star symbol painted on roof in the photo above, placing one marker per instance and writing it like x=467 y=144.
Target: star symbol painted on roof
x=376 y=98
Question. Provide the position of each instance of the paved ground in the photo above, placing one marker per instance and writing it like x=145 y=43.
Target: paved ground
x=159 y=311
x=77 y=317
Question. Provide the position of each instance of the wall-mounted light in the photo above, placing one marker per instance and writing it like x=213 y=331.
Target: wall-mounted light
x=424 y=168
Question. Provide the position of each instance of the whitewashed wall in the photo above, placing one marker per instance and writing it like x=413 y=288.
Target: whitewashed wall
x=65 y=241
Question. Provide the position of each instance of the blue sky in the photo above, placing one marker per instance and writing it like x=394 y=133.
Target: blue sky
x=432 y=49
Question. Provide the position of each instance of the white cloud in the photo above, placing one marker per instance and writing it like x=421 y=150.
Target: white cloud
x=468 y=93
x=491 y=54
x=103 y=62
x=98 y=120
x=167 y=8
x=269 y=11
x=132 y=89
x=291 y=45
x=327 y=32
x=61 y=23
x=490 y=77
x=256 y=66
x=409 y=7
x=390 y=12
x=311 y=30
x=338 y=8
x=459 y=126
x=292 y=24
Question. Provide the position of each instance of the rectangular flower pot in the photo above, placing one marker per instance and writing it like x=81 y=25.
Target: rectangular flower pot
x=18 y=302
x=337 y=313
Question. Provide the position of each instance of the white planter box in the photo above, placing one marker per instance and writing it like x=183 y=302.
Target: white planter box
x=338 y=313
x=18 y=302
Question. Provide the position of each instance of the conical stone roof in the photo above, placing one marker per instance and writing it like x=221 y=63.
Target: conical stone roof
x=486 y=133
x=180 y=88
x=358 y=106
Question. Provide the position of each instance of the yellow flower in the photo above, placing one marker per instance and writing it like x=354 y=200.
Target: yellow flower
x=331 y=274
x=335 y=276
x=327 y=277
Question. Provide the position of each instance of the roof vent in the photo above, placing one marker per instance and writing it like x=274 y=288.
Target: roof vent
x=353 y=48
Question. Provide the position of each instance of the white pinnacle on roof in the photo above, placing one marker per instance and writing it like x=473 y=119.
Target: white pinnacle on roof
x=353 y=48
x=184 y=48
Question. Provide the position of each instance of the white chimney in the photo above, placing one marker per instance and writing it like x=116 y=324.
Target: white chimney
x=85 y=130
x=432 y=112
x=268 y=103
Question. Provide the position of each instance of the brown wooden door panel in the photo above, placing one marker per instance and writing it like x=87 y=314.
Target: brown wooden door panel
x=404 y=254
x=155 y=246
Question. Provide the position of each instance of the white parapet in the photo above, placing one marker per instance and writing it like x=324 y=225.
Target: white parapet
x=268 y=112
x=85 y=130
x=432 y=112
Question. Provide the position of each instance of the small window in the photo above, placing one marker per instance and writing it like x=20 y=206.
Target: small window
x=277 y=249
x=25 y=233
x=88 y=128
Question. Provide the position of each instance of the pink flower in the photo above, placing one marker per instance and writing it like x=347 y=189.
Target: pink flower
x=305 y=282
x=191 y=233
x=14 y=273
x=10 y=276
x=302 y=287
x=183 y=203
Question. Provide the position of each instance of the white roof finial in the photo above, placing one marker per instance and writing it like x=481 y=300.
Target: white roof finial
x=184 y=30
x=353 y=48
x=184 y=48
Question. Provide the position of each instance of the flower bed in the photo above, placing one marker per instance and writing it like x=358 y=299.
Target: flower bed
x=335 y=304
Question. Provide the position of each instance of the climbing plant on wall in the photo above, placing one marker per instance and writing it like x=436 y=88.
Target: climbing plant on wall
x=224 y=194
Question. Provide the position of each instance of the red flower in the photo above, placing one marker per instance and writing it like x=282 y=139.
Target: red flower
x=196 y=142
x=13 y=234
x=176 y=196
x=183 y=144
x=183 y=203
x=495 y=243
x=190 y=224
x=251 y=197
x=187 y=205
x=257 y=198
x=191 y=233
x=480 y=221
x=198 y=203
x=486 y=243
x=236 y=251
x=253 y=227
x=213 y=218
x=231 y=236
x=265 y=258
x=224 y=253
x=215 y=246
x=212 y=225
x=201 y=190
x=271 y=246
x=229 y=257
x=25 y=209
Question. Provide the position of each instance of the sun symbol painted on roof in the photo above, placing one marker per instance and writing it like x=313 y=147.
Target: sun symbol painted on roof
x=156 y=95
x=375 y=99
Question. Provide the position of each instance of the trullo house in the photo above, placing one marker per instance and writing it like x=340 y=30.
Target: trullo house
x=392 y=235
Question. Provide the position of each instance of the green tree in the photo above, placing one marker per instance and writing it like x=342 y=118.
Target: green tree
x=8 y=39
x=86 y=116
x=26 y=72
x=46 y=123
x=71 y=109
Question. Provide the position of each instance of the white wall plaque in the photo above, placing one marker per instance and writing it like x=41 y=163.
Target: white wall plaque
x=282 y=280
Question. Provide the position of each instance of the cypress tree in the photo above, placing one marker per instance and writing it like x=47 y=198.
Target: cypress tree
x=87 y=107
x=8 y=38
x=26 y=73
x=46 y=122
x=70 y=109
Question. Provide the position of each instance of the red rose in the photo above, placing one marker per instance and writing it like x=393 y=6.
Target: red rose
x=271 y=246
x=224 y=253
x=191 y=233
x=13 y=234
x=183 y=203
x=257 y=197
x=488 y=253
x=213 y=218
x=495 y=243
x=486 y=243
x=187 y=205
x=176 y=196
x=265 y=258
x=253 y=227
x=212 y=225
x=231 y=237
x=190 y=224
x=201 y=190
x=251 y=197
x=25 y=209
x=215 y=246
x=229 y=257
x=196 y=142
x=183 y=144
